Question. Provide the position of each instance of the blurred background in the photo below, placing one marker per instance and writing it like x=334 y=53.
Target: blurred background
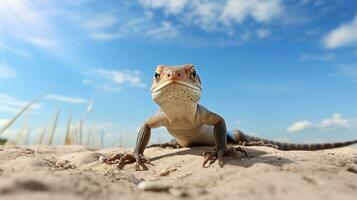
x=79 y=71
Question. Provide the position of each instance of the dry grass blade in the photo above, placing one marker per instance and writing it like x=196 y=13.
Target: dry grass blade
x=21 y=139
x=102 y=139
x=89 y=136
x=68 y=140
x=54 y=126
x=80 y=131
x=12 y=121
x=42 y=135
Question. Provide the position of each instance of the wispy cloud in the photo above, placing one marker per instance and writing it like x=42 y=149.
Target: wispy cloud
x=120 y=77
x=170 y=6
x=6 y=72
x=299 y=126
x=102 y=35
x=347 y=70
x=165 y=31
x=14 y=50
x=24 y=21
x=178 y=15
x=10 y=104
x=325 y=57
x=342 y=36
x=258 y=10
x=41 y=42
x=141 y=27
x=230 y=11
x=113 y=80
x=66 y=99
x=102 y=86
x=334 y=122
x=263 y=33
x=100 y=22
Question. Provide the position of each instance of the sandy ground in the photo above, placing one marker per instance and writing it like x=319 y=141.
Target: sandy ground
x=75 y=172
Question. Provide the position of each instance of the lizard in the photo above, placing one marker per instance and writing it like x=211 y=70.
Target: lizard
x=177 y=90
x=237 y=137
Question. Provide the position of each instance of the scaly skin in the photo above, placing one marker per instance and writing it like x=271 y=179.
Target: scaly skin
x=177 y=91
x=247 y=140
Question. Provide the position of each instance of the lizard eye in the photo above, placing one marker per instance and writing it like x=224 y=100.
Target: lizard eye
x=157 y=75
x=193 y=74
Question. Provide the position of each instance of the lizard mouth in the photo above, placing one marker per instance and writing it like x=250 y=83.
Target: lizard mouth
x=182 y=83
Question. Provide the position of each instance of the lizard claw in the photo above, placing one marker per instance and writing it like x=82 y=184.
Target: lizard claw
x=141 y=161
x=211 y=157
x=124 y=159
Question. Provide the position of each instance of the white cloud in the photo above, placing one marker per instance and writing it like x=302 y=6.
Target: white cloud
x=336 y=121
x=263 y=33
x=6 y=72
x=211 y=15
x=100 y=22
x=170 y=6
x=259 y=10
x=102 y=86
x=120 y=77
x=112 y=80
x=325 y=57
x=165 y=31
x=343 y=36
x=205 y=14
x=299 y=126
x=10 y=104
x=66 y=99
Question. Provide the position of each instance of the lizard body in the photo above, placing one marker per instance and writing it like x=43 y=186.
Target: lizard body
x=177 y=91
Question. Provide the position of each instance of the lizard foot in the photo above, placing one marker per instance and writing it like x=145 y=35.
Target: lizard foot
x=124 y=159
x=211 y=157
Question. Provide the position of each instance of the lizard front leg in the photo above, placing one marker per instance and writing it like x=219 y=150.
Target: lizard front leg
x=220 y=136
x=142 y=141
x=137 y=156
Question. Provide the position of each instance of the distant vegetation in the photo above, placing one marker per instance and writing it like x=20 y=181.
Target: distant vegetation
x=74 y=132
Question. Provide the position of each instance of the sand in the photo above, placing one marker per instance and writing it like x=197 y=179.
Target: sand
x=76 y=172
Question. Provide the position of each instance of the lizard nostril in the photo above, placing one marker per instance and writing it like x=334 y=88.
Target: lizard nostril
x=168 y=75
x=179 y=74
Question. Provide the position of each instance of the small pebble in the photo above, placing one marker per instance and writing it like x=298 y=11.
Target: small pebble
x=153 y=186
x=352 y=168
x=102 y=159
x=166 y=172
x=64 y=164
x=61 y=163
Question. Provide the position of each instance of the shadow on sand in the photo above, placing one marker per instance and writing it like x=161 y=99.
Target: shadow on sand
x=254 y=157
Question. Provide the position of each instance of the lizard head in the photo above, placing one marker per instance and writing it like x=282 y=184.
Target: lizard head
x=176 y=84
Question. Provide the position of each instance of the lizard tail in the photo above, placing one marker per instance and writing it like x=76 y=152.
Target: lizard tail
x=240 y=138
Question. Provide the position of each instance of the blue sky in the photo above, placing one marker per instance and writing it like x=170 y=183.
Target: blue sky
x=285 y=70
